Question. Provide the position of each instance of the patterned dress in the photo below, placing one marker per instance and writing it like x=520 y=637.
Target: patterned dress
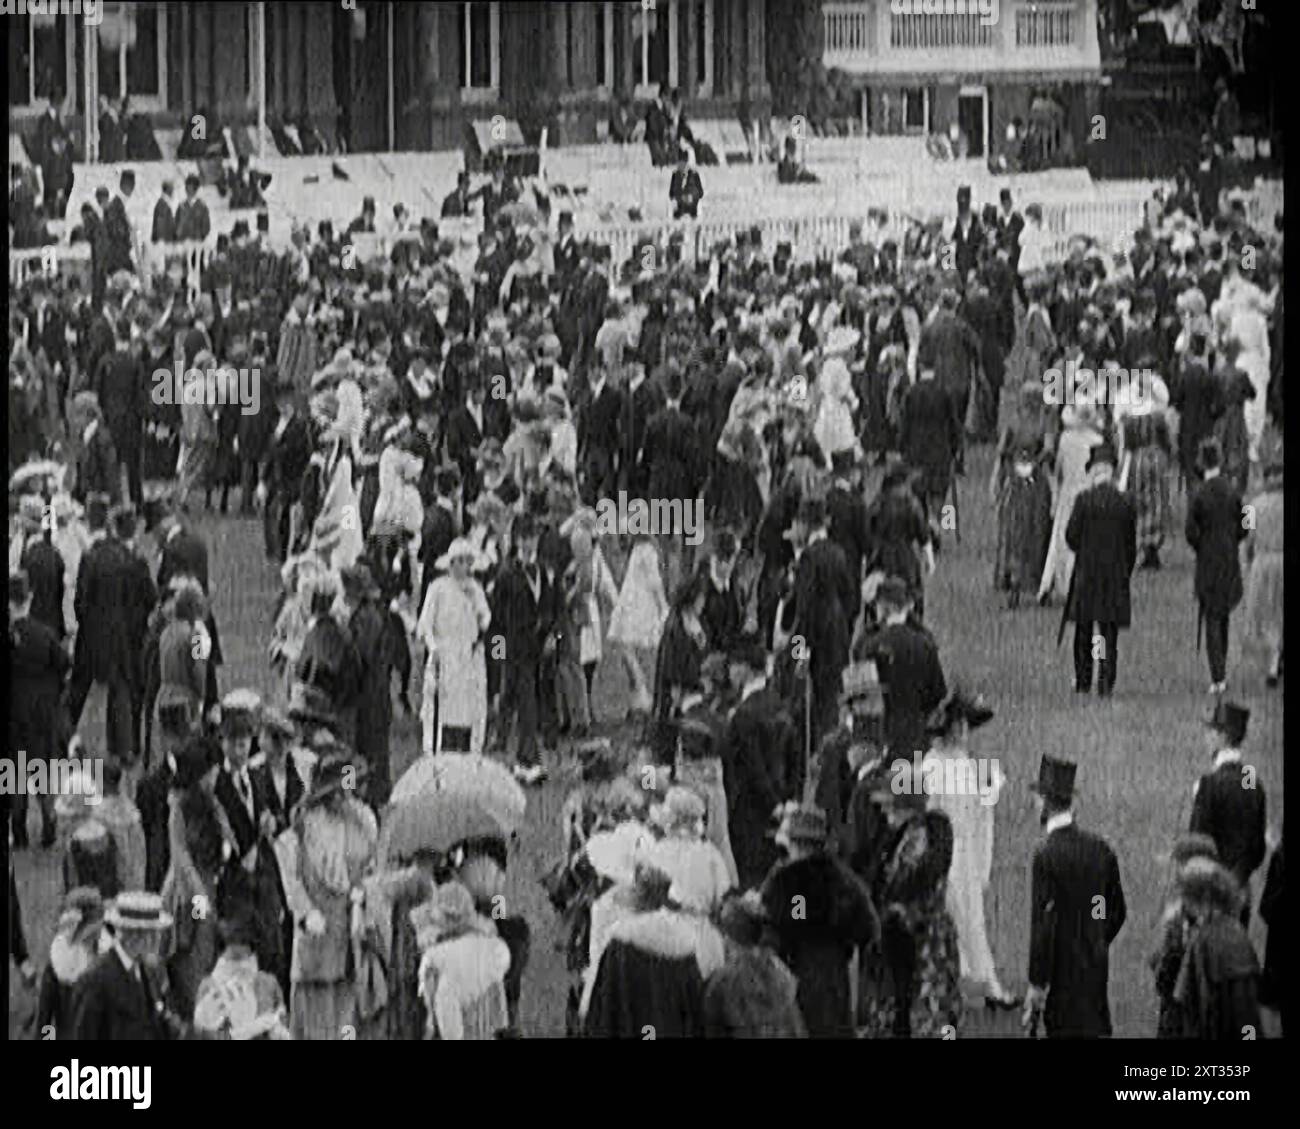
x=1149 y=453
x=914 y=990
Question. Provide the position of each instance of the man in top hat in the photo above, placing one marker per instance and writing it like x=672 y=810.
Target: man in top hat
x=441 y=523
x=685 y=189
x=285 y=457
x=372 y=635
x=850 y=527
x=600 y=436
x=104 y=602
x=1102 y=532
x=819 y=617
x=1215 y=529
x=967 y=235
x=122 y=997
x=1077 y=910
x=478 y=418
x=38 y=665
x=761 y=755
x=907 y=659
x=1229 y=804
x=144 y=597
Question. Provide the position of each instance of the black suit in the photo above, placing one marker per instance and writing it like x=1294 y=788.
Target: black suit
x=38 y=727
x=1198 y=396
x=600 y=443
x=98 y=471
x=164 y=222
x=117 y=234
x=1215 y=529
x=45 y=571
x=144 y=597
x=685 y=190
x=671 y=455
x=760 y=758
x=850 y=529
x=1071 y=930
x=1102 y=531
x=184 y=553
x=641 y=405
x=821 y=612
x=105 y=603
x=1230 y=808
x=112 y=1005
x=911 y=674
x=967 y=246
x=524 y=622
x=283 y=467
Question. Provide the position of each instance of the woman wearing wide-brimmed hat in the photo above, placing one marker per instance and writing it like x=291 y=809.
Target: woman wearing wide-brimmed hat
x=200 y=842
x=1082 y=433
x=453 y=626
x=1218 y=986
x=74 y=949
x=323 y=859
x=969 y=804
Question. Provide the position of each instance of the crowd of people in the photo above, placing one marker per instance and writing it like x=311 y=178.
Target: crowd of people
x=432 y=466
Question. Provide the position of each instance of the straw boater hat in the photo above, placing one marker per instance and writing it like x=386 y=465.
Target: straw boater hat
x=276 y=723
x=239 y=713
x=138 y=912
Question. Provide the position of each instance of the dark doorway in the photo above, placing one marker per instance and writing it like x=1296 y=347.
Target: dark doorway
x=970 y=117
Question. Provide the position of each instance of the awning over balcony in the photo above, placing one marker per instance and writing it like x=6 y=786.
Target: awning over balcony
x=1018 y=41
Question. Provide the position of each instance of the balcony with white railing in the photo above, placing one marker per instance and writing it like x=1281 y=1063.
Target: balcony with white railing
x=1057 y=37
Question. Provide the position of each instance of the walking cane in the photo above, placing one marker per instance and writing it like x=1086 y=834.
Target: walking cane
x=956 y=511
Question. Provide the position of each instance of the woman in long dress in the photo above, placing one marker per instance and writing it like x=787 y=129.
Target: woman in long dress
x=1080 y=436
x=323 y=858
x=1264 y=604
x=201 y=842
x=453 y=625
x=1148 y=455
x=677 y=666
x=637 y=624
x=971 y=813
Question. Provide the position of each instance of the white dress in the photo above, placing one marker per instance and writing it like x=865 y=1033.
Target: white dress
x=341 y=505
x=642 y=607
x=972 y=862
x=1072 y=477
x=833 y=428
x=451 y=624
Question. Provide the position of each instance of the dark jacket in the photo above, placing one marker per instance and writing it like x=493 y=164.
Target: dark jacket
x=907 y=661
x=1230 y=808
x=1215 y=529
x=184 y=553
x=164 y=222
x=671 y=455
x=45 y=570
x=38 y=665
x=104 y=603
x=1102 y=531
x=523 y=621
x=110 y=1005
x=825 y=598
x=1069 y=939
x=98 y=471
x=839 y=918
x=117 y=233
x=760 y=760
x=930 y=433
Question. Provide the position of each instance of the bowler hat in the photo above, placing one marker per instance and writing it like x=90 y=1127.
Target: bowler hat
x=894 y=592
x=1056 y=779
x=239 y=713
x=1230 y=719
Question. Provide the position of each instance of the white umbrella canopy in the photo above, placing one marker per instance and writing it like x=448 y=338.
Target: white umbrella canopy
x=480 y=779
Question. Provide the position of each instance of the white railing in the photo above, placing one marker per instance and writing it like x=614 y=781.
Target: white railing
x=914 y=32
x=847 y=28
x=1046 y=24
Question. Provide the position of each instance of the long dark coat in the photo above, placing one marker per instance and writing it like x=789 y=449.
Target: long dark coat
x=1234 y=816
x=38 y=665
x=1102 y=531
x=1069 y=941
x=1215 y=529
x=821 y=911
x=759 y=754
x=930 y=433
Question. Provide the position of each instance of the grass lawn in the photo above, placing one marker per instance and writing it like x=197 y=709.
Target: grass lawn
x=1139 y=754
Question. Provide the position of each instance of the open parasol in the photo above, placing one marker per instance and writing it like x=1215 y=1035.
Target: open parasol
x=521 y=213
x=477 y=779
x=437 y=821
x=22 y=478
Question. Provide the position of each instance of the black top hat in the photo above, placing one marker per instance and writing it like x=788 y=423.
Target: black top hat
x=1056 y=779
x=843 y=460
x=1102 y=453
x=1231 y=720
x=963 y=194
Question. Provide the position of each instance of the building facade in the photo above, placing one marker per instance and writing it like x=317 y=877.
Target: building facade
x=922 y=66
x=397 y=74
